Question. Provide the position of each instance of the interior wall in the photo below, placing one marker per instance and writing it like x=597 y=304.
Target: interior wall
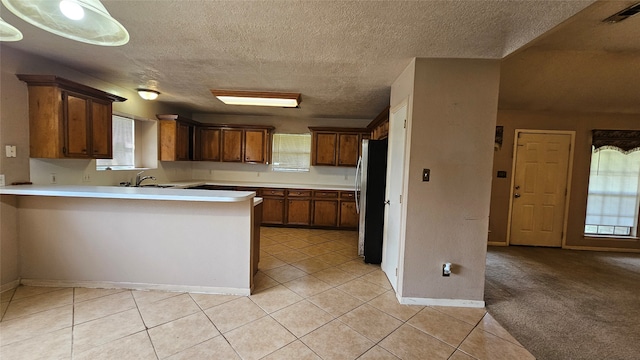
x=452 y=130
x=14 y=130
x=582 y=124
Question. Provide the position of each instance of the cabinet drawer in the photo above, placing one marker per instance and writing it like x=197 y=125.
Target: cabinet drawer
x=272 y=192
x=298 y=193
x=347 y=195
x=325 y=194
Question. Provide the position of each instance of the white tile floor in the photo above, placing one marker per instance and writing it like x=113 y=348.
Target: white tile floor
x=314 y=299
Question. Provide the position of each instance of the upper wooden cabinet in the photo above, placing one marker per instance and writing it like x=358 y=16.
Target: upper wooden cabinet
x=209 y=143
x=175 y=138
x=67 y=119
x=257 y=146
x=235 y=143
x=336 y=146
x=379 y=127
x=232 y=145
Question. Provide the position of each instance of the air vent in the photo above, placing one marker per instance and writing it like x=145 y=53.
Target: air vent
x=624 y=14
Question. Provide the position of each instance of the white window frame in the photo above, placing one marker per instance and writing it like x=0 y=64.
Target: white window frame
x=285 y=157
x=145 y=146
x=609 y=229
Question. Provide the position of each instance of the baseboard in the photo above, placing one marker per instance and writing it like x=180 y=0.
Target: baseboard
x=497 y=243
x=441 y=302
x=136 y=286
x=10 y=285
x=596 y=248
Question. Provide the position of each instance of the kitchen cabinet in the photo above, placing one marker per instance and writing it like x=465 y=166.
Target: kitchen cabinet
x=257 y=146
x=67 y=119
x=232 y=145
x=379 y=127
x=298 y=207
x=325 y=208
x=175 y=138
x=209 y=140
x=273 y=206
x=349 y=217
x=336 y=146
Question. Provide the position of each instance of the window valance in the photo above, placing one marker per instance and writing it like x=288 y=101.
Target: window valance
x=625 y=141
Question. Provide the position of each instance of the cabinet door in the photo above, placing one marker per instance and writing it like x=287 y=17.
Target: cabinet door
x=76 y=134
x=348 y=216
x=299 y=211
x=232 y=145
x=101 y=137
x=167 y=130
x=255 y=149
x=348 y=149
x=273 y=210
x=183 y=142
x=324 y=150
x=325 y=213
x=210 y=144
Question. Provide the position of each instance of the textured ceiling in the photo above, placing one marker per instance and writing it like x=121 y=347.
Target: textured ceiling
x=583 y=65
x=341 y=55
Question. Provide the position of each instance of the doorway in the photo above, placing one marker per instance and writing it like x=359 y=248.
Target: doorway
x=540 y=187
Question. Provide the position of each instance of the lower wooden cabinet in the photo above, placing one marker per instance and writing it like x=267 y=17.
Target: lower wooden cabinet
x=273 y=206
x=298 y=207
x=349 y=217
x=325 y=213
x=302 y=207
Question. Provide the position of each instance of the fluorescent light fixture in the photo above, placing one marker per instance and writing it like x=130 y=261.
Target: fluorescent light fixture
x=148 y=94
x=87 y=21
x=9 y=32
x=258 y=98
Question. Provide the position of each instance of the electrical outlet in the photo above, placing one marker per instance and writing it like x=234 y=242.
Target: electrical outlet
x=1 y=179
x=52 y=178
x=86 y=178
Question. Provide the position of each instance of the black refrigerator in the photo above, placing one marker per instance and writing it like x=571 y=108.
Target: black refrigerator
x=371 y=182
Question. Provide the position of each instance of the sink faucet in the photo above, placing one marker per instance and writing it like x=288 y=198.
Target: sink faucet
x=139 y=179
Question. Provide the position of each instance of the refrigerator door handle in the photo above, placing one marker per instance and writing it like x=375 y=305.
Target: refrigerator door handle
x=357 y=184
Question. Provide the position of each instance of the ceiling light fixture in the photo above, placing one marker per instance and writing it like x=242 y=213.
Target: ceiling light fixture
x=258 y=98
x=87 y=21
x=9 y=32
x=148 y=94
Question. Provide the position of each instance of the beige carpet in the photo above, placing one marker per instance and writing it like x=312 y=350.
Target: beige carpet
x=564 y=304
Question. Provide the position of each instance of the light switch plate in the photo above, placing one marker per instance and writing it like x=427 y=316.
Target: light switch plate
x=1 y=179
x=426 y=173
x=10 y=151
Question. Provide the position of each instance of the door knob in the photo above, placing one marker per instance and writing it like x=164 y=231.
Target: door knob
x=516 y=195
x=387 y=202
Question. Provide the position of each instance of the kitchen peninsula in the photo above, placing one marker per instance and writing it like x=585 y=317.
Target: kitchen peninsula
x=130 y=237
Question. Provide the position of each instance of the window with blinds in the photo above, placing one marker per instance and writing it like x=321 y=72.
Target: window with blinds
x=613 y=198
x=291 y=152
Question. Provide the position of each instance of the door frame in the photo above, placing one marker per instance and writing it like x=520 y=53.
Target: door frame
x=565 y=220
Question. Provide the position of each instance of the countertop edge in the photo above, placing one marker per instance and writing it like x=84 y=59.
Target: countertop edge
x=115 y=192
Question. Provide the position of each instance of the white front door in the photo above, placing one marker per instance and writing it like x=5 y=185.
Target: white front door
x=393 y=215
x=539 y=189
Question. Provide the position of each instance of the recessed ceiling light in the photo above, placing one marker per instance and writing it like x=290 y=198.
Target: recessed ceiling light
x=258 y=98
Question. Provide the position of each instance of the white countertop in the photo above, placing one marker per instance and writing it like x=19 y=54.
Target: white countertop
x=118 y=192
